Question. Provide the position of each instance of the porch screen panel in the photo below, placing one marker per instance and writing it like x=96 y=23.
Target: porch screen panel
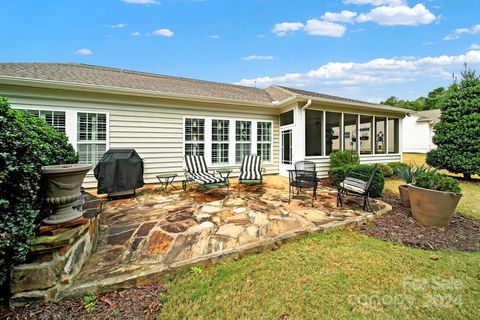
x=194 y=136
x=333 y=123
x=393 y=136
x=380 y=125
x=286 y=118
x=91 y=137
x=366 y=138
x=313 y=133
x=350 y=132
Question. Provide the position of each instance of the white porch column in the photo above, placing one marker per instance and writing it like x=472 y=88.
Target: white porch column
x=298 y=135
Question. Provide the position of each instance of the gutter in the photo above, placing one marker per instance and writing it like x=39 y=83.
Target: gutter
x=63 y=85
x=308 y=104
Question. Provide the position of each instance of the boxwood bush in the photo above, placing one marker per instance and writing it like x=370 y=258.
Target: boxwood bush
x=26 y=144
x=396 y=166
x=342 y=158
x=437 y=181
x=337 y=175
x=386 y=170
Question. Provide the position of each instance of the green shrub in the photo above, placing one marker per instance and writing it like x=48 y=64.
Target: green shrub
x=26 y=144
x=386 y=170
x=337 y=175
x=397 y=166
x=342 y=158
x=437 y=181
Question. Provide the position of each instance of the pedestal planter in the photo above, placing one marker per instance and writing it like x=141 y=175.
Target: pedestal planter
x=64 y=182
x=431 y=207
x=404 y=195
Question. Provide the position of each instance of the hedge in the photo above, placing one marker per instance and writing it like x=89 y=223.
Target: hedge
x=337 y=175
x=342 y=158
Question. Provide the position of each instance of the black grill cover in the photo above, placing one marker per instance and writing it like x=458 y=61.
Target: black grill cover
x=119 y=170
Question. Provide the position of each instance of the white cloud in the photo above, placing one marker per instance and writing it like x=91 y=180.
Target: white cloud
x=400 y=15
x=163 y=33
x=255 y=57
x=458 y=32
x=117 y=26
x=83 y=52
x=377 y=3
x=141 y=1
x=474 y=46
x=316 y=27
x=345 y=16
x=214 y=36
x=374 y=72
x=281 y=29
x=135 y=34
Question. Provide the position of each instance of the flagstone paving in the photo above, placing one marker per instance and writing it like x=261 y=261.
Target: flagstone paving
x=145 y=237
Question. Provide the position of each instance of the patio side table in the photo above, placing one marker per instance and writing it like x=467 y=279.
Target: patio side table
x=224 y=173
x=167 y=179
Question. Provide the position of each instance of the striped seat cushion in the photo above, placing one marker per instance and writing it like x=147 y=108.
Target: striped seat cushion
x=206 y=178
x=355 y=185
x=195 y=164
x=251 y=168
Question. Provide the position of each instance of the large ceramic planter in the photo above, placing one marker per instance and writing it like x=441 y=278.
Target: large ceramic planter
x=404 y=195
x=64 y=183
x=431 y=207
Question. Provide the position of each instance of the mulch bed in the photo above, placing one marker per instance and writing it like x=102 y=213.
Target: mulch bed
x=463 y=234
x=143 y=302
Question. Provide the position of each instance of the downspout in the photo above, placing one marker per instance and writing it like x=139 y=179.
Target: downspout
x=308 y=104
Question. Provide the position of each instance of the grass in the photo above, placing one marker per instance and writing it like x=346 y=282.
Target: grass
x=338 y=275
x=468 y=205
x=419 y=159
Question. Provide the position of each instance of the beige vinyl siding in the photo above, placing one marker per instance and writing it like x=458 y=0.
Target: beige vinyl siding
x=153 y=127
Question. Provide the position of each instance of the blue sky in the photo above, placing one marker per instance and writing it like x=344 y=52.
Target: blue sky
x=366 y=49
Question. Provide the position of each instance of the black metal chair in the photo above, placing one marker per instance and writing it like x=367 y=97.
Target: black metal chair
x=304 y=176
x=357 y=184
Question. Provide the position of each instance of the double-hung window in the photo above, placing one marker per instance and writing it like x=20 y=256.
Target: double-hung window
x=91 y=136
x=264 y=141
x=194 y=136
x=243 y=140
x=220 y=137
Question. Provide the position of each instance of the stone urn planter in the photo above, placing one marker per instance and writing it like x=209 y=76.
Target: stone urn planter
x=432 y=207
x=404 y=195
x=64 y=183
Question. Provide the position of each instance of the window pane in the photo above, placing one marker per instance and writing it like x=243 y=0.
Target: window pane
x=366 y=134
x=243 y=130
x=313 y=132
x=90 y=153
x=92 y=127
x=287 y=147
x=242 y=150
x=333 y=123
x=264 y=131
x=264 y=150
x=54 y=118
x=220 y=153
x=194 y=149
x=393 y=141
x=220 y=130
x=350 y=132
x=286 y=118
x=194 y=129
x=380 y=135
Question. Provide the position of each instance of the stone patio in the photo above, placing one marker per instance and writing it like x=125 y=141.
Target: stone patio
x=156 y=232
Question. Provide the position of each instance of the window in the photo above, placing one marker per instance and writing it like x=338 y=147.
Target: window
x=194 y=136
x=350 y=130
x=243 y=136
x=286 y=118
x=380 y=124
x=313 y=133
x=220 y=139
x=333 y=123
x=264 y=141
x=287 y=146
x=366 y=141
x=392 y=136
x=91 y=136
x=54 y=118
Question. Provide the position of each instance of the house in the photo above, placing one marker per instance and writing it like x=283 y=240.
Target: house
x=418 y=131
x=165 y=117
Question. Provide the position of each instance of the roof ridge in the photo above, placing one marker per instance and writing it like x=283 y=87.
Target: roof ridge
x=325 y=94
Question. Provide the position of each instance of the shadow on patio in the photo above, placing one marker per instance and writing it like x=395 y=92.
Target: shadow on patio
x=156 y=232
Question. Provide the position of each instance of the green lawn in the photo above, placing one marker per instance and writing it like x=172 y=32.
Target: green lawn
x=338 y=275
x=469 y=204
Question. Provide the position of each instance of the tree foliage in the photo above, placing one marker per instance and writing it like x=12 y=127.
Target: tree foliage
x=26 y=144
x=434 y=100
x=457 y=135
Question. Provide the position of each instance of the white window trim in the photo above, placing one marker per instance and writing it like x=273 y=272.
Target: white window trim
x=265 y=142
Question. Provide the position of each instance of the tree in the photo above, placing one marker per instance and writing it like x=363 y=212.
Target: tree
x=457 y=134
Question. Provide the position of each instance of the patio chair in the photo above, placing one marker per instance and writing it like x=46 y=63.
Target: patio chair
x=359 y=185
x=304 y=176
x=250 y=171
x=196 y=171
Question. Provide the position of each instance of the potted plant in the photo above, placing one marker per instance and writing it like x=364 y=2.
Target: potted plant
x=407 y=173
x=434 y=198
